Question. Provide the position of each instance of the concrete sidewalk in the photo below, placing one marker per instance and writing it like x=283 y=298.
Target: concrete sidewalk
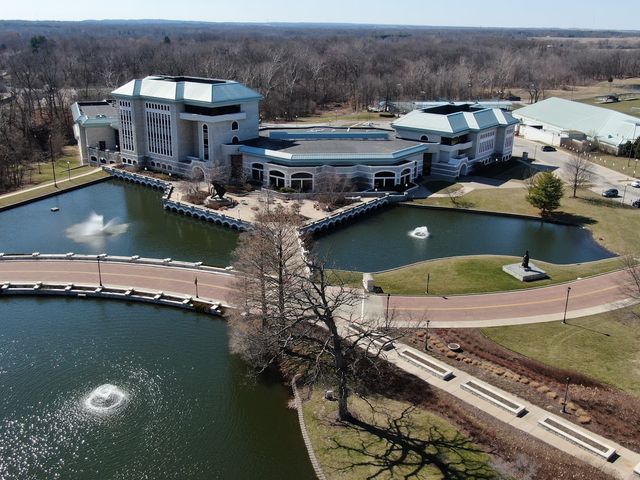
x=621 y=467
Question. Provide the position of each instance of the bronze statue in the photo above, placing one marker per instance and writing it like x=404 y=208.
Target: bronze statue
x=525 y=260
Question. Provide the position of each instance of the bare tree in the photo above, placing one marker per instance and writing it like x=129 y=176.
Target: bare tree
x=580 y=173
x=293 y=310
x=331 y=189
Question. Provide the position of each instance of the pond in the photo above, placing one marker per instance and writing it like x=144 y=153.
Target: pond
x=117 y=218
x=402 y=235
x=101 y=389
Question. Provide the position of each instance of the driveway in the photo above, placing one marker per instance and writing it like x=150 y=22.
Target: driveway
x=604 y=177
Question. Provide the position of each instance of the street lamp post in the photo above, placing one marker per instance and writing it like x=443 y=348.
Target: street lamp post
x=69 y=170
x=426 y=338
x=566 y=393
x=633 y=143
x=566 y=304
x=53 y=165
x=196 y=284
x=99 y=271
x=387 y=310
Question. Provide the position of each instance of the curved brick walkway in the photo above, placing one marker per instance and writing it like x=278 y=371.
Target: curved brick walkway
x=587 y=296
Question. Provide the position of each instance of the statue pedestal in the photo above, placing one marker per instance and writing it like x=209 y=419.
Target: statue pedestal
x=525 y=275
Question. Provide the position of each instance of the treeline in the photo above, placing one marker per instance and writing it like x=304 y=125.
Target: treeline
x=48 y=65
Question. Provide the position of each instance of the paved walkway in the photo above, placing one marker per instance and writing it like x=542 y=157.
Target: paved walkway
x=622 y=467
x=587 y=296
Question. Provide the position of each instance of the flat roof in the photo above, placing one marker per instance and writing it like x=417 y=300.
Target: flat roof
x=97 y=109
x=330 y=145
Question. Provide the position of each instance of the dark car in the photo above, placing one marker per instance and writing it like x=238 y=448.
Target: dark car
x=548 y=148
x=636 y=204
x=612 y=192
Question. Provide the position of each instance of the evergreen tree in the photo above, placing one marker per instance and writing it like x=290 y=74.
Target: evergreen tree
x=545 y=192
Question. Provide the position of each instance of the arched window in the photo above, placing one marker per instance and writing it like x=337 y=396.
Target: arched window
x=257 y=172
x=276 y=179
x=103 y=160
x=405 y=176
x=424 y=138
x=153 y=164
x=235 y=140
x=94 y=158
x=234 y=126
x=205 y=142
x=384 y=180
x=303 y=182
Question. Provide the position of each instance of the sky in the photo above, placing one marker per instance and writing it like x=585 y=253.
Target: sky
x=582 y=14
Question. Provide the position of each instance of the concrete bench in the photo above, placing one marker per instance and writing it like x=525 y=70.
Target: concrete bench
x=422 y=361
x=378 y=339
x=495 y=397
x=578 y=436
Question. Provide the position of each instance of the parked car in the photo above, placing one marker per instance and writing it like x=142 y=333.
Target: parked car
x=635 y=183
x=548 y=148
x=636 y=204
x=612 y=192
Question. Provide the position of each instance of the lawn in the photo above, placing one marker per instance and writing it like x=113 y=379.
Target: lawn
x=329 y=117
x=43 y=173
x=62 y=186
x=583 y=346
x=624 y=165
x=483 y=273
x=391 y=440
x=613 y=225
x=625 y=106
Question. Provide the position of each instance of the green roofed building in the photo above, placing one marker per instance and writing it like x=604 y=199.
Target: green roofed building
x=560 y=122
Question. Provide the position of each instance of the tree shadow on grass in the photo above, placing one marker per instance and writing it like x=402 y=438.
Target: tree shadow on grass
x=570 y=218
x=395 y=447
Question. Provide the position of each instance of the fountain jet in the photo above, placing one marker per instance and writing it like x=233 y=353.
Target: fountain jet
x=420 y=232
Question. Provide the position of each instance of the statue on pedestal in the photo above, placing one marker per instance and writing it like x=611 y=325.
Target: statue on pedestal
x=525 y=260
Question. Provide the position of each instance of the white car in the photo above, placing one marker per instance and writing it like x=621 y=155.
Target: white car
x=635 y=183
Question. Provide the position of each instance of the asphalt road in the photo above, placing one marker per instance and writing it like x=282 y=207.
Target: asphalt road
x=603 y=180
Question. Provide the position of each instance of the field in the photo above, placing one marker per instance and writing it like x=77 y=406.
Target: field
x=391 y=439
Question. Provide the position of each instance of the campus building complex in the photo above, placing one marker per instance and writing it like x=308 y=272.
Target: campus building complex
x=561 y=122
x=186 y=126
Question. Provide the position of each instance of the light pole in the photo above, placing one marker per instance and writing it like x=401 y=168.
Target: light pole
x=566 y=393
x=633 y=144
x=69 y=170
x=53 y=165
x=99 y=271
x=426 y=338
x=196 y=284
x=566 y=304
x=428 y=279
x=387 y=311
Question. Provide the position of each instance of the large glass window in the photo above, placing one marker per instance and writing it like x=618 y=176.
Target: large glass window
x=205 y=142
x=257 y=172
x=405 y=176
x=303 y=182
x=384 y=180
x=276 y=179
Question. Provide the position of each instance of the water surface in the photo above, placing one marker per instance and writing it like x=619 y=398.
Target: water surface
x=190 y=411
x=388 y=239
x=151 y=231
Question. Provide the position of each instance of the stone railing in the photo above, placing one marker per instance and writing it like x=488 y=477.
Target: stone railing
x=305 y=433
x=176 y=206
x=134 y=259
x=343 y=215
x=97 y=291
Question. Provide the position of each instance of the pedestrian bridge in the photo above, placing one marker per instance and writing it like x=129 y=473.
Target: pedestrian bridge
x=160 y=281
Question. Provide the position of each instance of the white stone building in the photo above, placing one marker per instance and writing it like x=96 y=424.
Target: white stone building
x=467 y=135
x=185 y=125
